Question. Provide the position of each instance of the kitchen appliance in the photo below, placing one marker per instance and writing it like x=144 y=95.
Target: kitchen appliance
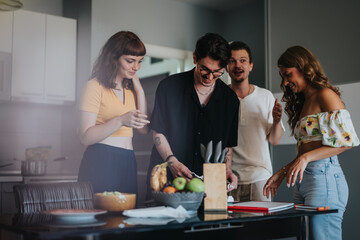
x=33 y=167
x=36 y=161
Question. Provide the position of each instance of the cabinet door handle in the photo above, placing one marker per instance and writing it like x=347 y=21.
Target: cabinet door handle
x=55 y=95
x=8 y=191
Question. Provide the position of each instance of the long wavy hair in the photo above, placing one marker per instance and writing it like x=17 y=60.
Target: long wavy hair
x=107 y=64
x=307 y=64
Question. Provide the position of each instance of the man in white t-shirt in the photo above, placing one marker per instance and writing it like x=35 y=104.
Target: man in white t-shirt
x=259 y=123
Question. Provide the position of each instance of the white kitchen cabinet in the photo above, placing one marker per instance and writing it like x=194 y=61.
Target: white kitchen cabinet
x=6 y=23
x=60 y=55
x=44 y=58
x=6 y=26
x=28 y=66
x=5 y=76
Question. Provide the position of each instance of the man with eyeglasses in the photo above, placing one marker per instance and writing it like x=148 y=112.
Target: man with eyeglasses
x=194 y=108
x=259 y=123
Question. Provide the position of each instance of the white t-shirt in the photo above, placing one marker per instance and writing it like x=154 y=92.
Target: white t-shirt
x=251 y=157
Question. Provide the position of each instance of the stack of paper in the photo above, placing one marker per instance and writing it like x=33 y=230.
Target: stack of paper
x=157 y=212
x=260 y=206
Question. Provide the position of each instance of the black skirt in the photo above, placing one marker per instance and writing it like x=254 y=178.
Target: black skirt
x=109 y=168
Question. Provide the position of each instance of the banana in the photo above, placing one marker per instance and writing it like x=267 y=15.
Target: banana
x=158 y=177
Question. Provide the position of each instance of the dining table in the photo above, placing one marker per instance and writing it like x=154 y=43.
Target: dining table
x=200 y=225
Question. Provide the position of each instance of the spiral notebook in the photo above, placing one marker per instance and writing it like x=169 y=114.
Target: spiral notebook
x=260 y=206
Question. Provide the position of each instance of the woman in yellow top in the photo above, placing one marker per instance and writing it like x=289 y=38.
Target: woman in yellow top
x=323 y=129
x=112 y=104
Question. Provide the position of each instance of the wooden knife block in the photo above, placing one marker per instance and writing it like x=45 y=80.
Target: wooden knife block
x=215 y=187
x=211 y=216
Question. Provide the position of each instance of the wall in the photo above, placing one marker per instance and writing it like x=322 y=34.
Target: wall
x=173 y=24
x=330 y=29
x=81 y=11
x=53 y=7
x=247 y=24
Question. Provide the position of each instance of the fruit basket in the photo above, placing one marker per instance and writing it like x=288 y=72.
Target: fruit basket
x=191 y=201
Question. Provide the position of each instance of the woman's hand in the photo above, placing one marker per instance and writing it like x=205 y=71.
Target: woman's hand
x=178 y=169
x=273 y=183
x=296 y=169
x=134 y=119
x=136 y=83
x=141 y=102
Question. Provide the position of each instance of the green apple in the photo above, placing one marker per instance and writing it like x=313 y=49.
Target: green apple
x=195 y=185
x=179 y=183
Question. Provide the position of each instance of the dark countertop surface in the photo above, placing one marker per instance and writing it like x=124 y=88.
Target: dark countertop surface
x=44 y=226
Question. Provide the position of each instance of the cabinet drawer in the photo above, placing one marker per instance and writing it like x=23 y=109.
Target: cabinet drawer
x=7 y=198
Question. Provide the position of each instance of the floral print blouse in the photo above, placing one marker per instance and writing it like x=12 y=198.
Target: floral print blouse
x=334 y=129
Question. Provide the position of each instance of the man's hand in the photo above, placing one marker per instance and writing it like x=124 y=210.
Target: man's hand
x=178 y=169
x=277 y=112
x=233 y=181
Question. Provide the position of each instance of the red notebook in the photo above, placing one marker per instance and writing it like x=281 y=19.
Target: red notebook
x=260 y=206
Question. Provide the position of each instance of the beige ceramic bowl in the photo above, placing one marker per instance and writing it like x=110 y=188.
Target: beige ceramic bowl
x=115 y=203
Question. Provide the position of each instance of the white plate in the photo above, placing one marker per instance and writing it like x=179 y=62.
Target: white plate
x=75 y=215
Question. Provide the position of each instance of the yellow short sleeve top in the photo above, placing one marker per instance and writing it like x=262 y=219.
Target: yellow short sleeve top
x=106 y=104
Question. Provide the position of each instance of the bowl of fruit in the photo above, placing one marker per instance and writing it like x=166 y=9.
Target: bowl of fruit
x=188 y=194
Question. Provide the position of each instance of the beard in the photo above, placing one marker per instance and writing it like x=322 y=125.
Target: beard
x=238 y=80
x=238 y=75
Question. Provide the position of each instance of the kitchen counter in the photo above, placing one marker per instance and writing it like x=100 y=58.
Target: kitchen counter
x=15 y=176
x=10 y=176
x=233 y=225
x=50 y=178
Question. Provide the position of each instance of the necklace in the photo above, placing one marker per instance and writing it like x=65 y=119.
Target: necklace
x=249 y=90
x=206 y=93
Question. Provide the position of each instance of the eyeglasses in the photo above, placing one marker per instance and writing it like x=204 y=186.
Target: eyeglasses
x=205 y=73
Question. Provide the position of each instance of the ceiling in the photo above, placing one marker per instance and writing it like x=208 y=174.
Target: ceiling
x=220 y=5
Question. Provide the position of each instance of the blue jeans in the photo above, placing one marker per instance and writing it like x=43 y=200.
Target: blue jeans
x=324 y=184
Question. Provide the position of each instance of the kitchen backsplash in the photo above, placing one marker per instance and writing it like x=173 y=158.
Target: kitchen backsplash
x=26 y=125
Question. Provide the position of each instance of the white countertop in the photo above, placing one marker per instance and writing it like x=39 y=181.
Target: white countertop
x=11 y=178
x=15 y=176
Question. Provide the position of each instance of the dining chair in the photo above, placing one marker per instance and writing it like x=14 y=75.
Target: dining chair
x=31 y=198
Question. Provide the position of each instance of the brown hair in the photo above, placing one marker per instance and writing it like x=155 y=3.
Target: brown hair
x=214 y=46
x=107 y=64
x=237 y=45
x=307 y=64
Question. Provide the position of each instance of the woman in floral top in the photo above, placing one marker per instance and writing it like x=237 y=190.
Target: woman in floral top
x=323 y=129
